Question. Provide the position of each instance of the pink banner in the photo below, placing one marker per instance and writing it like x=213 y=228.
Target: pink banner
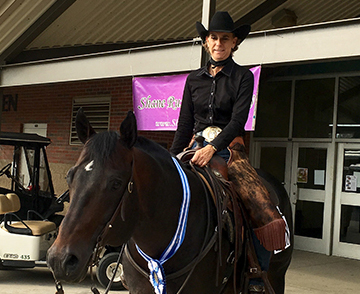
x=250 y=124
x=157 y=101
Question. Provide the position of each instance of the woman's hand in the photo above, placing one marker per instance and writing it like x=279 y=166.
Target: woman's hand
x=203 y=155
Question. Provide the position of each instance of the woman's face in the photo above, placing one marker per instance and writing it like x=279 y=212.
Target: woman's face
x=220 y=44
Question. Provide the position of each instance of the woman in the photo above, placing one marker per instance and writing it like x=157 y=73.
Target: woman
x=218 y=94
x=215 y=106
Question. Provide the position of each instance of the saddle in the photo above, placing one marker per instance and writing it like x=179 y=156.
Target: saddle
x=232 y=217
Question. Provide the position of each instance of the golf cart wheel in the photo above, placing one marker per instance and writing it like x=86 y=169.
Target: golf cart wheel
x=105 y=271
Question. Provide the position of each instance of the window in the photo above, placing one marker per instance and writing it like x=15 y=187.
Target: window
x=97 y=111
x=348 y=118
x=273 y=114
x=313 y=108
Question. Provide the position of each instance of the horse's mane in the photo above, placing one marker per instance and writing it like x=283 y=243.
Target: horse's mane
x=103 y=144
x=151 y=147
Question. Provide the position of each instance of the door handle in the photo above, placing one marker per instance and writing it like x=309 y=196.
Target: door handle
x=295 y=194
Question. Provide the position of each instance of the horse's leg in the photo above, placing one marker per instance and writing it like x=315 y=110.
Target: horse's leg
x=280 y=262
x=278 y=266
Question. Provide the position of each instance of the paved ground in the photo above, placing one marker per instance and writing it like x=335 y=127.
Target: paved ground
x=308 y=273
x=316 y=273
x=40 y=281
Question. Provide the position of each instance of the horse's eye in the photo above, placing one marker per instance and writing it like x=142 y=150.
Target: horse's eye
x=70 y=175
x=116 y=184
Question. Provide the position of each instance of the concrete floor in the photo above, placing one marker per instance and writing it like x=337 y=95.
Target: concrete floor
x=316 y=273
x=308 y=273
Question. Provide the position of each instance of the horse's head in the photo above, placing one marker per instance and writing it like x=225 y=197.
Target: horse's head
x=99 y=185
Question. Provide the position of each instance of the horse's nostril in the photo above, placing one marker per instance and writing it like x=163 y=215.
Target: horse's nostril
x=71 y=264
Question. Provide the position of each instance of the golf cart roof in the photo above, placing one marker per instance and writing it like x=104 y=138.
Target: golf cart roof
x=7 y=138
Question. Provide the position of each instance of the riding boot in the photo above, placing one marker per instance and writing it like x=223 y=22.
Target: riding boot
x=268 y=225
x=256 y=289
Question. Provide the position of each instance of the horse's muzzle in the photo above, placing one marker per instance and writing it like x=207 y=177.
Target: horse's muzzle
x=65 y=265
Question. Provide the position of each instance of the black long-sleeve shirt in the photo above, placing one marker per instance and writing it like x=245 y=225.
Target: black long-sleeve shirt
x=222 y=101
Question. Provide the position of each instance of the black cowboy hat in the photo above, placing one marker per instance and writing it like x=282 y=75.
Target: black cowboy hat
x=222 y=22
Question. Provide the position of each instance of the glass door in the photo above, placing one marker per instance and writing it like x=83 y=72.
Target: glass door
x=311 y=194
x=347 y=202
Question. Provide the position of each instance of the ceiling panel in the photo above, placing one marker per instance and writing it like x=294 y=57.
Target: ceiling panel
x=98 y=22
x=16 y=16
x=104 y=22
x=311 y=12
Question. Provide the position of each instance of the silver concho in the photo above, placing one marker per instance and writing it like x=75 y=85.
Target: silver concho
x=210 y=133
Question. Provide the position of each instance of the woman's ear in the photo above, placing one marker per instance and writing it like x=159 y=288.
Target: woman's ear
x=235 y=42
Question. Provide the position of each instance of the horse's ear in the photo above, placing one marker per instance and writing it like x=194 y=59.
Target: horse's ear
x=83 y=128
x=128 y=130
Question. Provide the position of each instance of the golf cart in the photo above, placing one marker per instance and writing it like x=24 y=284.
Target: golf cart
x=28 y=223
x=28 y=207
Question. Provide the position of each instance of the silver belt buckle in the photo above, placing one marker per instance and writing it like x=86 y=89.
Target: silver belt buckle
x=210 y=133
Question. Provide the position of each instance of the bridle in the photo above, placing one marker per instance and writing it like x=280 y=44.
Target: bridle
x=106 y=231
x=94 y=260
x=109 y=225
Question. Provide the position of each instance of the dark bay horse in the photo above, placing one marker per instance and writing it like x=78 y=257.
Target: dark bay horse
x=126 y=189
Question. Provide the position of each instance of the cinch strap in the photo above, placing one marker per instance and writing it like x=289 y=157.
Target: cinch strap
x=157 y=274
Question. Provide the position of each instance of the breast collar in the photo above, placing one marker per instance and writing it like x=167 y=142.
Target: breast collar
x=157 y=273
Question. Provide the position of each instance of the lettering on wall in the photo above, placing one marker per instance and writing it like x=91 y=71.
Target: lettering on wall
x=9 y=102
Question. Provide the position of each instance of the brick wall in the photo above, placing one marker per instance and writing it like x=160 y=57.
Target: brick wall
x=52 y=104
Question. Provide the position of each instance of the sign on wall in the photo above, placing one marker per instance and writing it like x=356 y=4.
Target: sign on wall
x=157 y=101
x=9 y=102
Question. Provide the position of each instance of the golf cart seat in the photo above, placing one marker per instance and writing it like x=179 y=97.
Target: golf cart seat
x=9 y=204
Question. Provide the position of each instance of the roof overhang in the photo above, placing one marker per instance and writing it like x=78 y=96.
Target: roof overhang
x=324 y=41
x=299 y=44
x=177 y=57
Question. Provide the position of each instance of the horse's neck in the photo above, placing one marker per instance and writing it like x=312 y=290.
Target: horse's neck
x=161 y=196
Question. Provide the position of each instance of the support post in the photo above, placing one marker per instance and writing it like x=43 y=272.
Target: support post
x=208 y=11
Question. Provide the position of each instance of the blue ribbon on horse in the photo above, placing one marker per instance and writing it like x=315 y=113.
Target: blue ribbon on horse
x=157 y=273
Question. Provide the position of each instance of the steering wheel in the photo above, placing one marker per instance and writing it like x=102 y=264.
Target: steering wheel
x=5 y=169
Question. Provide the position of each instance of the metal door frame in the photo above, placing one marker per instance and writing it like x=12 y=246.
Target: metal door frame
x=341 y=248
x=307 y=243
